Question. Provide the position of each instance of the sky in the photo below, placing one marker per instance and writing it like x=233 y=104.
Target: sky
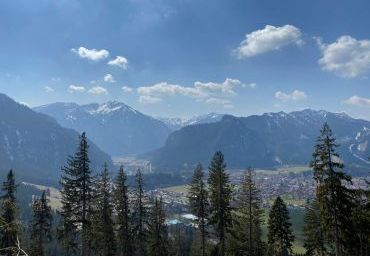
x=179 y=58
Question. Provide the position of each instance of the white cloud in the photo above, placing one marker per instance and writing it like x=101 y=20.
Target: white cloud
x=296 y=95
x=268 y=39
x=109 y=78
x=97 y=90
x=76 y=88
x=207 y=92
x=91 y=54
x=48 y=89
x=127 y=89
x=146 y=99
x=346 y=57
x=119 y=61
x=358 y=101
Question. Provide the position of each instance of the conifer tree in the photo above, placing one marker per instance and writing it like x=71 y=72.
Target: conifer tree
x=10 y=229
x=220 y=196
x=198 y=201
x=123 y=220
x=248 y=219
x=314 y=238
x=280 y=236
x=76 y=181
x=41 y=225
x=333 y=197
x=139 y=216
x=103 y=239
x=158 y=236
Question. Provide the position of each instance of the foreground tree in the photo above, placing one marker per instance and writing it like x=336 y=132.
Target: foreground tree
x=158 y=236
x=122 y=209
x=198 y=201
x=333 y=197
x=248 y=219
x=314 y=238
x=140 y=216
x=102 y=228
x=76 y=182
x=41 y=225
x=10 y=229
x=280 y=236
x=220 y=197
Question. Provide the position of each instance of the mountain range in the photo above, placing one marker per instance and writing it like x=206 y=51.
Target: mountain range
x=35 y=145
x=268 y=140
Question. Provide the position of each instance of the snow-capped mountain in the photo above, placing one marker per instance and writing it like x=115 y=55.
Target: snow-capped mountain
x=35 y=145
x=115 y=127
x=177 y=123
x=267 y=140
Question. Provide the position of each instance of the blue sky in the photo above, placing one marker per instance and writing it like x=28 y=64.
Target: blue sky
x=187 y=57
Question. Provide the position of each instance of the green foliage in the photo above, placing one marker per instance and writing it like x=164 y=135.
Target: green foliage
x=41 y=225
x=76 y=211
x=280 y=236
x=220 y=197
x=158 y=236
x=103 y=239
x=122 y=209
x=248 y=217
x=198 y=201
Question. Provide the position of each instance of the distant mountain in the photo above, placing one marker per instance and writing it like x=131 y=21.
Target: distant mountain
x=268 y=140
x=177 y=123
x=115 y=127
x=35 y=145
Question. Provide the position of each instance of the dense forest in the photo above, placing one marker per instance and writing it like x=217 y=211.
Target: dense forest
x=105 y=216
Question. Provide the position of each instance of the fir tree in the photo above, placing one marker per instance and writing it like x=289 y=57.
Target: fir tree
x=220 y=197
x=41 y=225
x=158 y=237
x=122 y=208
x=140 y=216
x=280 y=236
x=9 y=231
x=76 y=201
x=314 y=238
x=333 y=197
x=198 y=201
x=103 y=227
x=248 y=219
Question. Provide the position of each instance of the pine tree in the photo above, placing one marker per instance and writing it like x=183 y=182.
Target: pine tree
x=76 y=201
x=41 y=225
x=220 y=197
x=158 y=237
x=122 y=208
x=10 y=228
x=314 y=238
x=140 y=216
x=248 y=219
x=280 y=236
x=103 y=239
x=198 y=201
x=333 y=197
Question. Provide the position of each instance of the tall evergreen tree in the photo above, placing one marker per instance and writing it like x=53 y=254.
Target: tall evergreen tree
x=41 y=225
x=139 y=216
x=333 y=197
x=103 y=239
x=122 y=208
x=198 y=201
x=10 y=227
x=280 y=236
x=314 y=238
x=220 y=196
x=248 y=218
x=76 y=181
x=158 y=236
